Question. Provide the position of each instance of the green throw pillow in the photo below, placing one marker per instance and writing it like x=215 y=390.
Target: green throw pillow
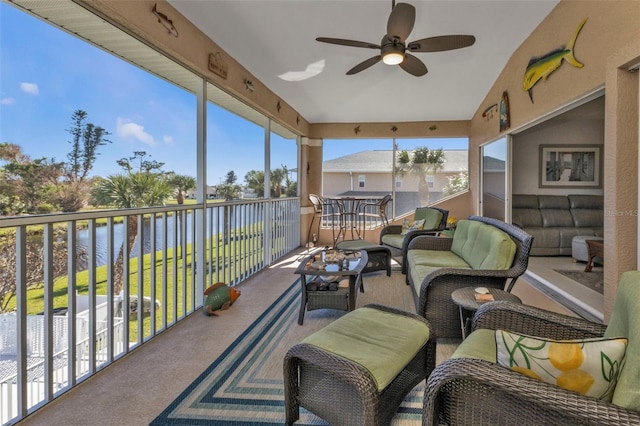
x=411 y=226
x=588 y=366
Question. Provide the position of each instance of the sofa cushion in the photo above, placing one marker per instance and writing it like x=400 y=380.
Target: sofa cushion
x=438 y=258
x=624 y=322
x=419 y=272
x=584 y=201
x=483 y=246
x=382 y=342
x=393 y=240
x=553 y=202
x=526 y=217
x=524 y=201
x=432 y=217
x=556 y=217
x=587 y=218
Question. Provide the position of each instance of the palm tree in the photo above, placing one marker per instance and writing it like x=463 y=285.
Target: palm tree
x=421 y=162
x=126 y=191
x=182 y=184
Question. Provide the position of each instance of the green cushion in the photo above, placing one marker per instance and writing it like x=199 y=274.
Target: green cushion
x=356 y=245
x=624 y=322
x=483 y=246
x=480 y=344
x=419 y=272
x=431 y=217
x=441 y=258
x=393 y=240
x=382 y=342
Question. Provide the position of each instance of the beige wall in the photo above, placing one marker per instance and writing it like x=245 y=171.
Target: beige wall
x=607 y=44
x=621 y=168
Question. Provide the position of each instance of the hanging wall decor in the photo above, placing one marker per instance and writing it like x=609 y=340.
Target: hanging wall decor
x=217 y=65
x=541 y=67
x=505 y=118
x=165 y=21
x=487 y=114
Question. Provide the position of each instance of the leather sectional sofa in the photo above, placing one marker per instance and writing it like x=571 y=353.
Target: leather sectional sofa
x=553 y=220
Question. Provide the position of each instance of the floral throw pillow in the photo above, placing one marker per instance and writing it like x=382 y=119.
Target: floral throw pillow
x=588 y=366
x=411 y=226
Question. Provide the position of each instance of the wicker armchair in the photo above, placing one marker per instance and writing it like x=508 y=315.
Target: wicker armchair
x=466 y=391
x=434 y=302
x=391 y=235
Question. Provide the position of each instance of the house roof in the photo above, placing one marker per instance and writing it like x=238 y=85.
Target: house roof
x=380 y=161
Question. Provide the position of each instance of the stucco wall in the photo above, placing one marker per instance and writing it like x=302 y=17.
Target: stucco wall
x=607 y=45
x=610 y=25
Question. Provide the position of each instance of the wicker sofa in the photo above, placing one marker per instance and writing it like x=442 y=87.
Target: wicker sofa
x=471 y=388
x=553 y=220
x=483 y=252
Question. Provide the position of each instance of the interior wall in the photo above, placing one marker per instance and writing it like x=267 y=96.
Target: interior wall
x=526 y=153
x=621 y=168
x=610 y=25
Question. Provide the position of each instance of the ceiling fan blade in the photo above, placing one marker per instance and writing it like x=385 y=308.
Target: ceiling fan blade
x=413 y=65
x=352 y=43
x=441 y=43
x=401 y=20
x=364 y=65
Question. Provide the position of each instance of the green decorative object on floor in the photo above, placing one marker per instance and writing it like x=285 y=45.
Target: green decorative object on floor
x=218 y=298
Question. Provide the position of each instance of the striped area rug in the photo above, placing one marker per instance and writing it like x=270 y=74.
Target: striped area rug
x=244 y=386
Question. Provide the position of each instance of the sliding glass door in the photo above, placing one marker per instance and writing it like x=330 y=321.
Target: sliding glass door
x=494 y=180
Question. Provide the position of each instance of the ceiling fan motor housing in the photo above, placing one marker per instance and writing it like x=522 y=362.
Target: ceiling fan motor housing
x=392 y=51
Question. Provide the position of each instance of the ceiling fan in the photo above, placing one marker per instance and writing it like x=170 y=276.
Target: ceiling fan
x=393 y=48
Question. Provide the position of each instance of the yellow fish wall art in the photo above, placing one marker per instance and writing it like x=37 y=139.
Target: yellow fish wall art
x=541 y=67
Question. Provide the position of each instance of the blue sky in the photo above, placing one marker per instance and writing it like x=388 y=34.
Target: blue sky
x=47 y=74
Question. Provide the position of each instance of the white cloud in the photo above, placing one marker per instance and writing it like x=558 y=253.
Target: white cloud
x=7 y=101
x=126 y=129
x=168 y=140
x=30 y=88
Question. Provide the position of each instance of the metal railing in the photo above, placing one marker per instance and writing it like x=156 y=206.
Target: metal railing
x=172 y=254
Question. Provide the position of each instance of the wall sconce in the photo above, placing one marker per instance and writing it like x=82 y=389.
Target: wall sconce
x=249 y=85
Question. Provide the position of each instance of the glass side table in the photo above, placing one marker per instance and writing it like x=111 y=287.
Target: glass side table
x=465 y=298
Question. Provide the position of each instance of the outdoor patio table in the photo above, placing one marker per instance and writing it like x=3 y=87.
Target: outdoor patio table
x=320 y=274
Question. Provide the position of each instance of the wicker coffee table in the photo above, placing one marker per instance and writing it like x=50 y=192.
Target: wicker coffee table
x=320 y=274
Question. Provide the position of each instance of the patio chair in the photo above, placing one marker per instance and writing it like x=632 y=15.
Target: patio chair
x=472 y=389
x=319 y=214
x=379 y=213
x=398 y=237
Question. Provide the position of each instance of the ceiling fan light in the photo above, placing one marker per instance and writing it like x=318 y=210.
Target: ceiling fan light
x=393 y=58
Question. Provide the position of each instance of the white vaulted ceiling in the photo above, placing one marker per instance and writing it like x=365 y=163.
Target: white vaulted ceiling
x=274 y=37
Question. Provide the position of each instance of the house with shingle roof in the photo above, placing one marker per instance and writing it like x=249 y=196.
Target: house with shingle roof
x=370 y=174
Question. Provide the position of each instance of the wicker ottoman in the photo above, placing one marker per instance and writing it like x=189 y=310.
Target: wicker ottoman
x=379 y=256
x=580 y=251
x=348 y=380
